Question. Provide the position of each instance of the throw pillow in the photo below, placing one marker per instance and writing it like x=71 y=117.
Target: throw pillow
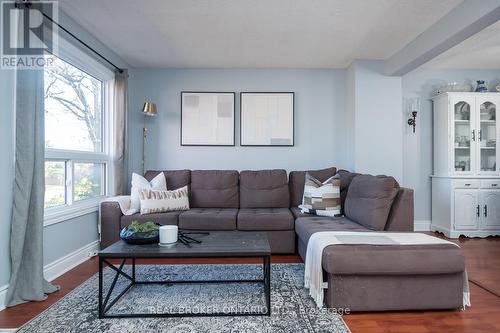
x=140 y=183
x=321 y=198
x=164 y=201
x=369 y=200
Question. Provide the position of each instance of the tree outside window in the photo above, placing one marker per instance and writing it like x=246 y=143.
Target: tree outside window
x=73 y=123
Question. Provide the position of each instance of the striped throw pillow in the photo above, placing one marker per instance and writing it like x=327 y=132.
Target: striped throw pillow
x=319 y=198
x=164 y=201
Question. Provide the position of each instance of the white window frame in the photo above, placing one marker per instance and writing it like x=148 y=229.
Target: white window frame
x=52 y=215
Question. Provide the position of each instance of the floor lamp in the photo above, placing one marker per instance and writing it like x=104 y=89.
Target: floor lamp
x=148 y=110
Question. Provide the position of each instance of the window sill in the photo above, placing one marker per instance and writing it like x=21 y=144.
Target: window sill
x=61 y=214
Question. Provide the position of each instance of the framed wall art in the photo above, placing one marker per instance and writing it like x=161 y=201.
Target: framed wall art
x=207 y=118
x=267 y=118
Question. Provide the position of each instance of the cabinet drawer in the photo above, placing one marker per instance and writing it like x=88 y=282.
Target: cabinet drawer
x=490 y=183
x=466 y=183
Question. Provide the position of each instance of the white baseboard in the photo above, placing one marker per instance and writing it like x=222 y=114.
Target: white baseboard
x=8 y=330
x=422 y=225
x=3 y=294
x=60 y=266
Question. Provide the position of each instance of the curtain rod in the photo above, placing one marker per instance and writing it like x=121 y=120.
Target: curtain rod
x=20 y=4
x=83 y=43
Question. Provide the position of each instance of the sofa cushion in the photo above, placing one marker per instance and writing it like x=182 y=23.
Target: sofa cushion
x=214 y=189
x=208 y=219
x=164 y=201
x=297 y=180
x=401 y=217
x=175 y=178
x=321 y=198
x=140 y=183
x=170 y=218
x=369 y=200
x=265 y=219
x=393 y=259
x=346 y=178
x=264 y=189
x=306 y=226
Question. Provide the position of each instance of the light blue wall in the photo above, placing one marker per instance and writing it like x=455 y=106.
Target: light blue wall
x=418 y=160
x=350 y=110
x=320 y=139
x=63 y=238
x=377 y=119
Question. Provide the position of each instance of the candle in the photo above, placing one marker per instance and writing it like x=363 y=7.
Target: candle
x=168 y=234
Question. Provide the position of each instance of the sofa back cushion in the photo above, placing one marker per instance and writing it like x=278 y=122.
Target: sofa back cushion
x=346 y=178
x=264 y=189
x=369 y=200
x=175 y=178
x=214 y=189
x=297 y=181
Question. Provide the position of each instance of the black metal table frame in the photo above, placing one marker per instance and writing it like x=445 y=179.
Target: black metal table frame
x=105 y=304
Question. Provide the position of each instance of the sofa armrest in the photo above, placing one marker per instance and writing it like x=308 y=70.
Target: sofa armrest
x=401 y=216
x=111 y=215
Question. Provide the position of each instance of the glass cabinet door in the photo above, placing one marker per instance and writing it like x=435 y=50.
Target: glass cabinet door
x=463 y=126
x=487 y=137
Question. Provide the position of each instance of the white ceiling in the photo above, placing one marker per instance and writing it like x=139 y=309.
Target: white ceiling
x=255 y=33
x=480 y=51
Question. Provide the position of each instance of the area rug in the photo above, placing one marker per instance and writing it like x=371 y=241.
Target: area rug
x=292 y=308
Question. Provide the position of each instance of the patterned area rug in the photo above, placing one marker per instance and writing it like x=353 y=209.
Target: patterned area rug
x=292 y=308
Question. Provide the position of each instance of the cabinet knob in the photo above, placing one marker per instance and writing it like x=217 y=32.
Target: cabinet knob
x=467 y=184
x=485 y=210
x=494 y=185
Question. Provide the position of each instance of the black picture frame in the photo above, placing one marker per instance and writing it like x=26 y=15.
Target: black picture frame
x=267 y=92
x=234 y=118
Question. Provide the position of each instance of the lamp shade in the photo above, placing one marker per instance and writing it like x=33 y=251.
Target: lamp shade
x=149 y=109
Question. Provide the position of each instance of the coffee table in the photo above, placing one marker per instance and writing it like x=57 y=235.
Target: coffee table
x=217 y=244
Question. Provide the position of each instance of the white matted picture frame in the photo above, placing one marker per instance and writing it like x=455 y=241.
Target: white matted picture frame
x=207 y=118
x=267 y=119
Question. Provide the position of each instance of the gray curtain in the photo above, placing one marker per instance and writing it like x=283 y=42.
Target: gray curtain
x=120 y=115
x=26 y=251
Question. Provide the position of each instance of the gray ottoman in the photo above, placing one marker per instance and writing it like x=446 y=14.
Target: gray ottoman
x=397 y=277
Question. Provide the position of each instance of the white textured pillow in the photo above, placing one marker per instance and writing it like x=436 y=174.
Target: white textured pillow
x=164 y=201
x=140 y=183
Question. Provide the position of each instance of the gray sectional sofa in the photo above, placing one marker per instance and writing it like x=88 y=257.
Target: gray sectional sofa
x=265 y=200
x=360 y=277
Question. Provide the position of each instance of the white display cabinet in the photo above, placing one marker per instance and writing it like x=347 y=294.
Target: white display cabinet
x=466 y=180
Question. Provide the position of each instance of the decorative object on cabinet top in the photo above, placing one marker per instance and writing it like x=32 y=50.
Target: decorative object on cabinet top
x=481 y=86
x=453 y=87
x=436 y=95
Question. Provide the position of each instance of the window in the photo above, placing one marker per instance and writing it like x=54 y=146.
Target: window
x=76 y=154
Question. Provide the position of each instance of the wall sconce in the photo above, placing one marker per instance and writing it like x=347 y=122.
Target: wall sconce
x=414 y=107
x=413 y=121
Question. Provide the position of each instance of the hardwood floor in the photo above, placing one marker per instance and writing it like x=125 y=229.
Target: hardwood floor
x=483 y=261
x=483 y=265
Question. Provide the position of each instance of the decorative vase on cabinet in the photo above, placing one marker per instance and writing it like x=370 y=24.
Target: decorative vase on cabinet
x=466 y=179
